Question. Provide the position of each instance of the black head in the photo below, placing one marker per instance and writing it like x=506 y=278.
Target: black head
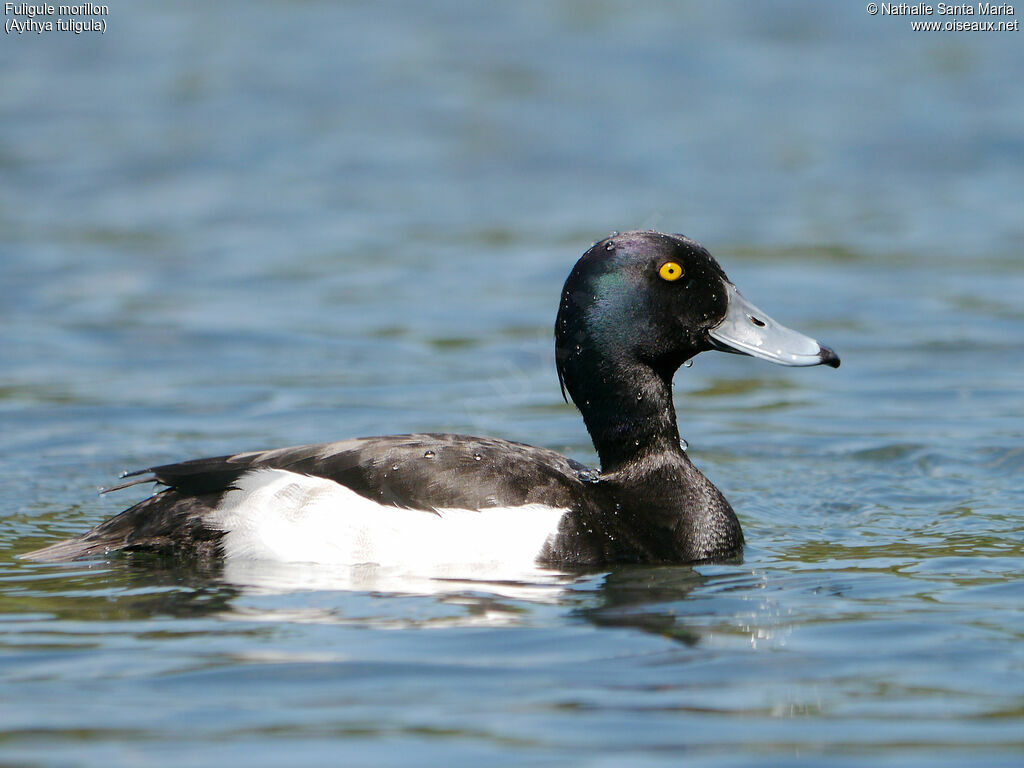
x=637 y=306
x=646 y=297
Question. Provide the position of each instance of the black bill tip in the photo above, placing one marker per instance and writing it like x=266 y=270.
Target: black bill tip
x=829 y=357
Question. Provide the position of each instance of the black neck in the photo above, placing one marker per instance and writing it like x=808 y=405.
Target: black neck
x=628 y=410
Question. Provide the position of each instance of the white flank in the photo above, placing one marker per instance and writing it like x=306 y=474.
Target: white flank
x=283 y=516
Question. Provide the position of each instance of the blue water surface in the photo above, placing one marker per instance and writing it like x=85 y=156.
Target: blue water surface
x=238 y=225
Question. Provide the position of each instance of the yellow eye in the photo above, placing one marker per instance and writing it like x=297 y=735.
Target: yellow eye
x=670 y=271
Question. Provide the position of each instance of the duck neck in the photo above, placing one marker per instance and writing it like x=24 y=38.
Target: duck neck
x=628 y=410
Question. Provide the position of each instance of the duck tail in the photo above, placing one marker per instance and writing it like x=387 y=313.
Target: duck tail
x=68 y=550
x=168 y=522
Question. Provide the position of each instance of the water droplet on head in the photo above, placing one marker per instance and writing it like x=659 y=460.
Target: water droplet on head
x=683 y=444
x=636 y=443
x=615 y=233
x=428 y=455
x=688 y=363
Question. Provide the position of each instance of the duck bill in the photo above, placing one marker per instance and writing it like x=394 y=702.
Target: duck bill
x=746 y=330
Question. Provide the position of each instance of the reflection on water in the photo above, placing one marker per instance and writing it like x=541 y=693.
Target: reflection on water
x=255 y=577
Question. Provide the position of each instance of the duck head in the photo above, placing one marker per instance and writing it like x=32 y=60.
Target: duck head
x=637 y=306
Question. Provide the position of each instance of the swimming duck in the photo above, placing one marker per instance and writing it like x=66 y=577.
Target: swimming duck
x=635 y=307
